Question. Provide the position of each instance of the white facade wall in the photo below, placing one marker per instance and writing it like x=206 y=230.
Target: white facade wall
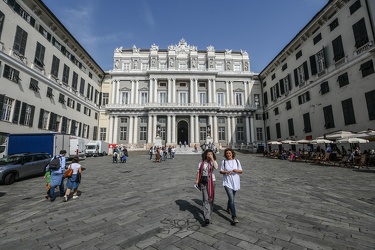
x=299 y=50
x=176 y=90
x=18 y=68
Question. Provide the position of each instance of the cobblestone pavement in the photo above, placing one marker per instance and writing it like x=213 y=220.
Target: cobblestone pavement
x=146 y=205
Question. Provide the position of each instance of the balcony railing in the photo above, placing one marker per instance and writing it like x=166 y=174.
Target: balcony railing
x=179 y=105
x=364 y=48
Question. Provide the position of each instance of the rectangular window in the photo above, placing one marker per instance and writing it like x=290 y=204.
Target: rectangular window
x=49 y=92
x=301 y=74
x=291 y=127
x=268 y=133
x=182 y=65
x=144 y=66
x=126 y=66
x=11 y=74
x=328 y=117
x=19 y=45
x=367 y=68
x=299 y=54
x=55 y=67
x=370 y=101
x=259 y=134
x=238 y=98
x=70 y=103
x=203 y=133
x=343 y=79
x=221 y=133
x=221 y=99
x=273 y=76
x=338 y=49
x=61 y=98
x=125 y=97
x=347 y=108
x=237 y=67
x=239 y=120
x=334 y=24
x=103 y=134
x=65 y=77
x=78 y=107
x=258 y=117
x=278 y=130
x=305 y=97
x=2 y=17
x=306 y=123
x=144 y=98
x=82 y=87
x=317 y=38
x=202 y=98
x=75 y=81
x=360 y=33
x=288 y=105
x=276 y=110
x=265 y=98
x=257 y=100
x=105 y=98
x=27 y=114
x=143 y=133
x=240 y=134
x=34 y=85
x=44 y=33
x=39 y=55
x=6 y=109
x=355 y=6
x=318 y=62
x=182 y=98
x=45 y=119
x=284 y=67
x=163 y=98
x=324 y=88
x=123 y=120
x=123 y=133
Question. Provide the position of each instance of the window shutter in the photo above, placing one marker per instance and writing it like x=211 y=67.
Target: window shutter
x=360 y=33
x=73 y=127
x=296 y=77
x=32 y=116
x=2 y=97
x=289 y=83
x=23 y=111
x=314 y=69
x=79 y=128
x=325 y=60
x=16 y=113
x=277 y=90
x=299 y=100
x=51 y=121
x=282 y=88
x=88 y=131
x=40 y=122
x=307 y=96
x=265 y=98
x=305 y=71
x=6 y=72
x=63 y=125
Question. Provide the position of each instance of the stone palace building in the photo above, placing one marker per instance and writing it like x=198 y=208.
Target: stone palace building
x=181 y=94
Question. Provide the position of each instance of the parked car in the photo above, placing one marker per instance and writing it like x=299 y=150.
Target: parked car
x=19 y=166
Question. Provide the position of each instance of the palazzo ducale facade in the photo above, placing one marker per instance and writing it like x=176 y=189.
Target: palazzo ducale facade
x=181 y=94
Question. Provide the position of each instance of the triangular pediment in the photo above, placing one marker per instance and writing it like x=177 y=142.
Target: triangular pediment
x=238 y=90
x=221 y=90
x=124 y=89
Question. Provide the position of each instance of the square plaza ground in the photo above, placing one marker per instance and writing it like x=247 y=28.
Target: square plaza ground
x=146 y=205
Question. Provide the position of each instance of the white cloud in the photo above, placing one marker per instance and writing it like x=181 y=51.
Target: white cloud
x=148 y=16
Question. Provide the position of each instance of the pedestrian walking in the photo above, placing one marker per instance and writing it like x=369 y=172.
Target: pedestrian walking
x=205 y=181
x=57 y=176
x=151 y=152
x=173 y=151
x=231 y=169
x=74 y=181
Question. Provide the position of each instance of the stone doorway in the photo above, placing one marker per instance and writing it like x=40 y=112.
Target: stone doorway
x=183 y=132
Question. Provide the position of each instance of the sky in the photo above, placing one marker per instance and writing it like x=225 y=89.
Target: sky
x=262 y=28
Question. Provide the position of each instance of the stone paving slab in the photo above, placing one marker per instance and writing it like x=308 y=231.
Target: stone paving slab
x=147 y=205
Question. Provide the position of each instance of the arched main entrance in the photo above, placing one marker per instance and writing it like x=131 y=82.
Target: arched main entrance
x=183 y=132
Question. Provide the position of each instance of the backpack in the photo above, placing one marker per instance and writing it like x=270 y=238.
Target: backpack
x=55 y=163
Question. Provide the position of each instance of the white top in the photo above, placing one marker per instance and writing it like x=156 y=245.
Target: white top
x=205 y=170
x=233 y=180
x=75 y=167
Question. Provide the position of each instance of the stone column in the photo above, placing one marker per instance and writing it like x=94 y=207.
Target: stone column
x=132 y=93
x=169 y=90
x=229 y=130
x=191 y=91
x=174 y=91
x=197 y=128
x=196 y=91
x=155 y=83
x=248 y=140
x=214 y=91
x=169 y=129
x=115 y=129
x=151 y=91
x=231 y=93
x=136 y=91
x=131 y=130
x=209 y=90
x=246 y=87
x=154 y=124
x=210 y=123
x=173 y=128
x=192 y=140
x=234 y=139
x=118 y=92
x=216 y=131
x=110 y=129
x=149 y=129
x=252 y=129
x=136 y=131
x=227 y=101
x=113 y=97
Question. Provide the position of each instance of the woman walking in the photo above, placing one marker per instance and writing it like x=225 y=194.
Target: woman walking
x=231 y=169
x=73 y=182
x=205 y=181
